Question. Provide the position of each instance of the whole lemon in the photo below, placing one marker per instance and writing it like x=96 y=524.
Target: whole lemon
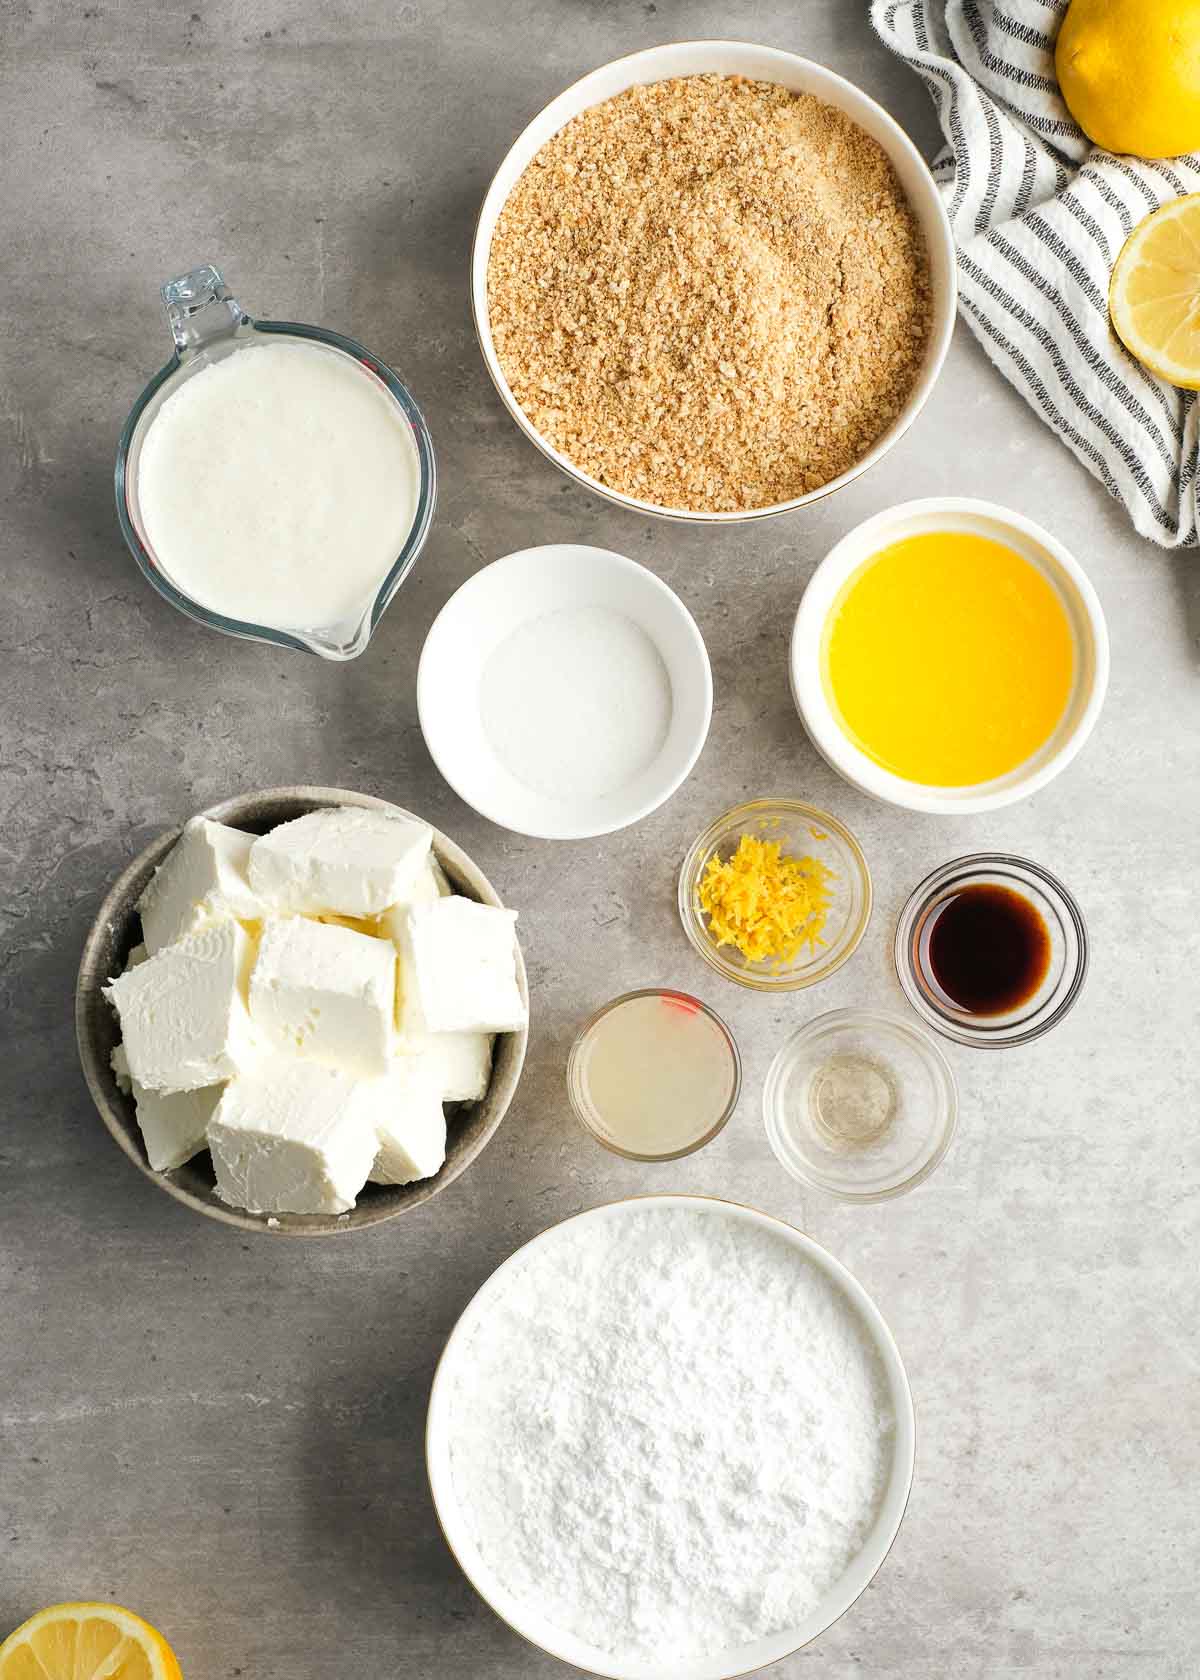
x=1129 y=71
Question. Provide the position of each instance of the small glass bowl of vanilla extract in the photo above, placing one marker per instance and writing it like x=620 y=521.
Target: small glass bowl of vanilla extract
x=991 y=950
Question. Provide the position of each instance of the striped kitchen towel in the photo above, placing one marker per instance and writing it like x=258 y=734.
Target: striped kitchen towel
x=1039 y=215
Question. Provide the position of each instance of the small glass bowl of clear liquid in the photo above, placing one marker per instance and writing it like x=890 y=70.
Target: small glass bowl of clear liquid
x=654 y=1075
x=860 y=1103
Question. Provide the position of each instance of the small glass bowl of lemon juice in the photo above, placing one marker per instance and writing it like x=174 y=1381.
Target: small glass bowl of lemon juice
x=654 y=1075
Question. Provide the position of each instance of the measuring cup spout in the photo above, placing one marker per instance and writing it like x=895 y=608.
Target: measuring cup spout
x=201 y=308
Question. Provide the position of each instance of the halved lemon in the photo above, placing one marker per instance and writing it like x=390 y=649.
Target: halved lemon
x=87 y=1642
x=1154 y=293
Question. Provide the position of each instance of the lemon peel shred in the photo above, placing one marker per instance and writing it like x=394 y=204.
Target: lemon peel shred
x=770 y=906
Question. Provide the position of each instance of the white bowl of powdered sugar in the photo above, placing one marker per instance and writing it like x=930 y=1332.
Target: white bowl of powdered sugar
x=670 y=1439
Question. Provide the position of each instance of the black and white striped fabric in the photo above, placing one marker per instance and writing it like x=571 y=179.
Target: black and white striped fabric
x=1039 y=215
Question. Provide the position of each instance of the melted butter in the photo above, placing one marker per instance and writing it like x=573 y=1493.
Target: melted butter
x=948 y=658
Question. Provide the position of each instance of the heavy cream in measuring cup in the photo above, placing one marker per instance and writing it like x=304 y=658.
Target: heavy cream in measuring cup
x=278 y=486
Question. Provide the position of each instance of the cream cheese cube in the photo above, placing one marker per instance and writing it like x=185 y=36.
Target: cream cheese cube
x=174 y=1126
x=184 y=1021
x=352 y=861
x=294 y=1137
x=325 y=993
x=203 y=876
x=458 y=969
x=410 y=1124
x=430 y=885
x=119 y=1062
x=459 y=1063
x=462 y=1064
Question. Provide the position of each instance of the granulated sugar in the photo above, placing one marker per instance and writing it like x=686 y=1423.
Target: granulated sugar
x=576 y=703
x=669 y=1432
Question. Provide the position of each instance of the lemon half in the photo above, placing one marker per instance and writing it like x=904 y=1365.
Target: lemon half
x=1154 y=293
x=87 y=1642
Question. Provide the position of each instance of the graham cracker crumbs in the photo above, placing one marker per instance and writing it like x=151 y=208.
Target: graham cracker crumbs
x=710 y=293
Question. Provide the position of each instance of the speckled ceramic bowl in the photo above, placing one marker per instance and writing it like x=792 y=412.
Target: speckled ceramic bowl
x=117 y=929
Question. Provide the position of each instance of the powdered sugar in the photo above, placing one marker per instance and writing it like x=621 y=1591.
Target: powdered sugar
x=669 y=1431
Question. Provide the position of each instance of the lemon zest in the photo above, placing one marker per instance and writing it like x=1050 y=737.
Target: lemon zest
x=770 y=906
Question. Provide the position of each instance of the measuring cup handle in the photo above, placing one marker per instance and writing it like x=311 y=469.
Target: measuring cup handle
x=200 y=308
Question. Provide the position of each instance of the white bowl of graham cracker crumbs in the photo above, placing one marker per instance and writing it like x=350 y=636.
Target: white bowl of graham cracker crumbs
x=713 y=281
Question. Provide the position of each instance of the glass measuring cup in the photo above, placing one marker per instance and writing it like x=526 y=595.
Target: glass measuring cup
x=208 y=324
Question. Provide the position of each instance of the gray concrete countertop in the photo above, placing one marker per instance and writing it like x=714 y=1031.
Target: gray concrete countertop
x=226 y=1434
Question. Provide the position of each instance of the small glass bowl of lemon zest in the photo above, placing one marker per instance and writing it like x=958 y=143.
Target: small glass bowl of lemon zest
x=765 y=903
x=846 y=887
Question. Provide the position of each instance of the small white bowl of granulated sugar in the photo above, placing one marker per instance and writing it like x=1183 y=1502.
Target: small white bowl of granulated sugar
x=670 y=1439
x=713 y=281
x=564 y=691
